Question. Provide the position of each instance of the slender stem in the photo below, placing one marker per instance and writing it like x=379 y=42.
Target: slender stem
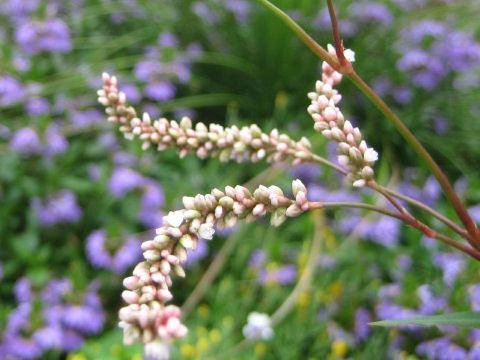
x=211 y=273
x=373 y=185
x=336 y=36
x=462 y=213
x=429 y=210
x=300 y=287
x=426 y=208
x=319 y=159
x=407 y=219
x=307 y=39
x=460 y=209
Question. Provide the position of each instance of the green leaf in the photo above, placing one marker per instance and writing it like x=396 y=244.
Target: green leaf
x=467 y=319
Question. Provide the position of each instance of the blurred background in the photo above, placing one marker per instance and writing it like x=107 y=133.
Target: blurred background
x=76 y=199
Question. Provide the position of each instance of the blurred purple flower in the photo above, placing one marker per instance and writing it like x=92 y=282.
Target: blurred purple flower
x=283 y=275
x=55 y=142
x=23 y=290
x=307 y=173
x=18 y=9
x=441 y=349
x=429 y=302
x=48 y=338
x=167 y=39
x=362 y=318
x=474 y=291
x=123 y=158
x=49 y=35
x=59 y=208
x=257 y=259
x=160 y=90
x=153 y=196
x=452 y=264
x=200 y=253
x=55 y=290
x=240 y=8
x=26 y=141
x=18 y=347
x=71 y=340
x=83 y=318
x=94 y=172
x=474 y=212
x=131 y=91
x=126 y=256
x=440 y=125
x=124 y=180
x=82 y=119
x=11 y=91
x=18 y=318
x=37 y=106
x=369 y=11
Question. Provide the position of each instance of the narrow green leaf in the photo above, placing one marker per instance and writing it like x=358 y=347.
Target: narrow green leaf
x=467 y=319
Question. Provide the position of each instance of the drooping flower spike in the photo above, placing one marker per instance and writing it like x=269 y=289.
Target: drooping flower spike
x=147 y=317
x=354 y=154
x=246 y=143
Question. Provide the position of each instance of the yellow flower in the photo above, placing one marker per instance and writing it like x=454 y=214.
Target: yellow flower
x=335 y=289
x=260 y=349
x=215 y=335
x=78 y=356
x=202 y=344
x=137 y=357
x=187 y=350
x=303 y=299
x=203 y=311
x=339 y=348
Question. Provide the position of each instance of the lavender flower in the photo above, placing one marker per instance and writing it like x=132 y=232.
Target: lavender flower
x=369 y=11
x=11 y=91
x=362 y=318
x=55 y=142
x=441 y=349
x=23 y=290
x=37 y=106
x=452 y=265
x=26 y=141
x=124 y=180
x=83 y=119
x=60 y=208
x=284 y=275
x=160 y=90
x=98 y=255
x=49 y=35
x=83 y=318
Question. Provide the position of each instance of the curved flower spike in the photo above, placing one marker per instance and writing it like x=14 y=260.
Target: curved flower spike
x=354 y=154
x=241 y=144
x=146 y=317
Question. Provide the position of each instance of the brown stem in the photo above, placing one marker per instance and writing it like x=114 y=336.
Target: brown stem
x=405 y=218
x=344 y=63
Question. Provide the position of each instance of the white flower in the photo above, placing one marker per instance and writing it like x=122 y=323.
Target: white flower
x=206 y=231
x=349 y=55
x=258 y=326
x=174 y=218
x=370 y=155
x=157 y=350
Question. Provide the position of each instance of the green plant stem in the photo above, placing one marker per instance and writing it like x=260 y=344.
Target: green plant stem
x=300 y=287
x=307 y=39
x=462 y=213
x=407 y=219
x=459 y=208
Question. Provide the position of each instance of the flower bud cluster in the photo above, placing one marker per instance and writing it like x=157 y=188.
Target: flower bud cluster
x=354 y=154
x=147 y=317
x=241 y=144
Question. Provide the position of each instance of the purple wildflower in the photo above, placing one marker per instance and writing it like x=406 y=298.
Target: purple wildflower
x=26 y=141
x=168 y=40
x=55 y=142
x=71 y=340
x=441 y=349
x=369 y=11
x=474 y=212
x=126 y=256
x=122 y=158
x=37 y=106
x=452 y=264
x=196 y=255
x=429 y=302
x=132 y=92
x=18 y=318
x=283 y=275
x=440 y=125
x=240 y=8
x=257 y=259
x=59 y=208
x=48 y=338
x=362 y=318
x=160 y=90
x=82 y=119
x=95 y=248
x=307 y=173
x=124 y=180
x=153 y=195
x=94 y=172
x=23 y=290
x=49 y=35
x=55 y=290
x=11 y=91
x=474 y=291
x=22 y=348
x=85 y=319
